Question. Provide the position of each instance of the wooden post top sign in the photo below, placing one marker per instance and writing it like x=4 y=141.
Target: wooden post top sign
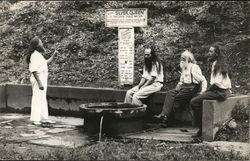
x=126 y=20
x=131 y=17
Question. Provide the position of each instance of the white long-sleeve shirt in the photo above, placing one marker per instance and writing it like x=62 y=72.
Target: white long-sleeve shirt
x=196 y=75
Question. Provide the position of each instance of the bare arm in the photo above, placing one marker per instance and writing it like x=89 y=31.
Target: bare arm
x=52 y=57
x=149 y=81
x=178 y=86
x=38 y=80
x=142 y=82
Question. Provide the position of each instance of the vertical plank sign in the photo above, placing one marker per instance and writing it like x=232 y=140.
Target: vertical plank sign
x=126 y=55
x=126 y=20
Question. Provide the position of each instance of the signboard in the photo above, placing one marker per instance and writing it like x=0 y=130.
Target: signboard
x=126 y=55
x=133 y=17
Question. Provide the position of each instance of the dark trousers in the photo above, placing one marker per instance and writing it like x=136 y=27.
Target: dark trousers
x=213 y=93
x=176 y=98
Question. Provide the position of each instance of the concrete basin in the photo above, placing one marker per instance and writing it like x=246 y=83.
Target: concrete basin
x=117 y=117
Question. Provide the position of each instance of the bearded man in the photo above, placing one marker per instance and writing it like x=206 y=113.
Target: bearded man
x=38 y=67
x=220 y=85
x=151 y=81
x=191 y=83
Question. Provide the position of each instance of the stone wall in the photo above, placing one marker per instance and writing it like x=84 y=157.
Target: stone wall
x=2 y=97
x=216 y=113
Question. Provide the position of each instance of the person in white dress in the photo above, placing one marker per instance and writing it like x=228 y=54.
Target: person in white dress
x=39 y=75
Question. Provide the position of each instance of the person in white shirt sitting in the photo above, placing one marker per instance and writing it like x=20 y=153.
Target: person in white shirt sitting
x=220 y=85
x=151 y=81
x=39 y=75
x=191 y=83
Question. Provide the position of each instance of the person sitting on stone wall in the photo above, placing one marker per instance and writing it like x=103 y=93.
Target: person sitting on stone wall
x=219 y=89
x=191 y=83
x=151 y=81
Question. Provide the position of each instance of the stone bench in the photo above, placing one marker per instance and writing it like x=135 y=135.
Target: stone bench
x=214 y=113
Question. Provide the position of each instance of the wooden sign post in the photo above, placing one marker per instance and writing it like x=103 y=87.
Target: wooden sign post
x=126 y=20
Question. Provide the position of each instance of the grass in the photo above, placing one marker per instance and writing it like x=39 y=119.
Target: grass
x=117 y=150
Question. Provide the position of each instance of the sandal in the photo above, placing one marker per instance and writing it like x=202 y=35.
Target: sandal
x=36 y=123
x=48 y=122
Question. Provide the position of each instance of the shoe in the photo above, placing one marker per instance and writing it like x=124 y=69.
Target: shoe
x=160 y=116
x=48 y=122
x=198 y=134
x=163 y=125
x=36 y=123
x=197 y=140
x=164 y=119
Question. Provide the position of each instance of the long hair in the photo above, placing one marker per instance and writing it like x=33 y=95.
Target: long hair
x=153 y=60
x=34 y=45
x=221 y=64
x=189 y=56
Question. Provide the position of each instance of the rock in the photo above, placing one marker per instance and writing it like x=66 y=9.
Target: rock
x=232 y=124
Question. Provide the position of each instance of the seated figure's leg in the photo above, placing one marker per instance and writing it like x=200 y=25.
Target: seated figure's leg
x=168 y=102
x=146 y=92
x=176 y=98
x=129 y=94
x=183 y=97
x=196 y=105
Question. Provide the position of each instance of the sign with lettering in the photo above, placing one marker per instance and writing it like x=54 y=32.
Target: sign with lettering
x=126 y=55
x=133 y=17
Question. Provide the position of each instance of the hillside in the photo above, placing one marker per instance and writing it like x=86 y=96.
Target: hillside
x=88 y=49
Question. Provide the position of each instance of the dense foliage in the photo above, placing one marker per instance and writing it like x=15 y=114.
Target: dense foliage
x=88 y=49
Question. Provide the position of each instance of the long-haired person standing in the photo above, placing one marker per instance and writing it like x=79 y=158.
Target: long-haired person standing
x=191 y=83
x=39 y=75
x=220 y=85
x=151 y=81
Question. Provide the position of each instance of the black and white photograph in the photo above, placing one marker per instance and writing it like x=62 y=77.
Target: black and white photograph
x=124 y=80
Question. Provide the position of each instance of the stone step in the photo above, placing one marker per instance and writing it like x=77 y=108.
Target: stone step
x=176 y=134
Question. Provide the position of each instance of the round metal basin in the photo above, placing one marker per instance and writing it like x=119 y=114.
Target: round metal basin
x=118 y=117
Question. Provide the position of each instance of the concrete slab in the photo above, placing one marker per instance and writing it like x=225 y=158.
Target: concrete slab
x=176 y=134
x=67 y=120
x=12 y=116
x=57 y=130
x=64 y=133
x=71 y=140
